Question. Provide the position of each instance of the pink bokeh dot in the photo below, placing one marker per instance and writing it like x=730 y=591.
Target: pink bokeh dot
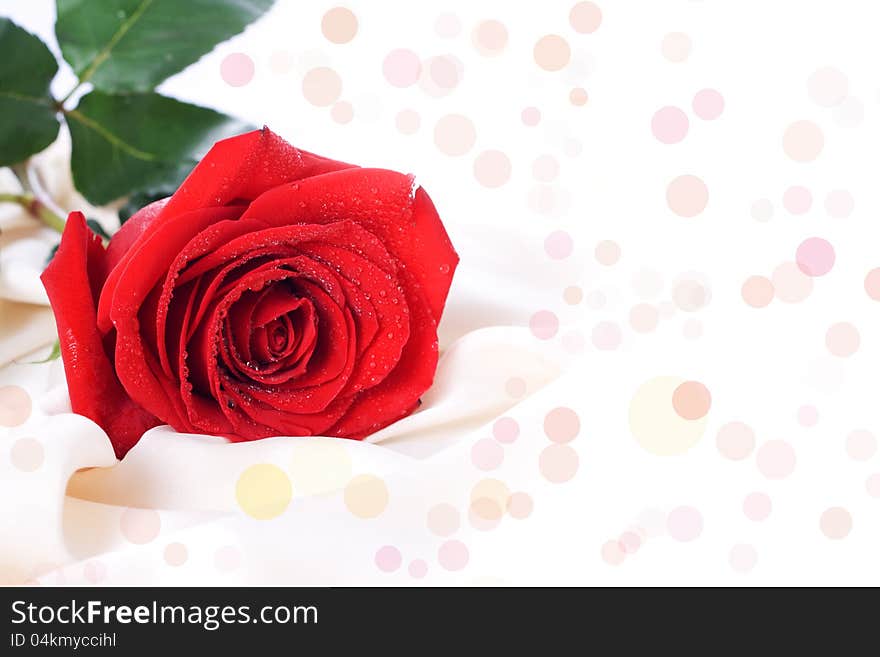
x=607 y=336
x=140 y=526
x=757 y=506
x=402 y=67
x=612 y=553
x=487 y=454
x=669 y=125
x=758 y=291
x=776 y=459
x=443 y=519
x=630 y=542
x=735 y=440
x=790 y=284
x=175 y=554
x=447 y=25
x=687 y=196
x=342 y=112
x=872 y=485
x=562 y=425
x=836 y=523
x=418 y=568
x=815 y=256
x=692 y=329
x=237 y=69
x=520 y=505
x=861 y=445
x=808 y=415
x=490 y=37
x=505 y=430
x=743 y=558
x=797 y=199
x=453 y=555
x=708 y=104
x=531 y=116
x=558 y=463
x=842 y=339
x=444 y=72
x=684 y=523
x=558 y=244
x=585 y=17
x=492 y=169
x=872 y=284
x=94 y=571
x=388 y=558
x=544 y=324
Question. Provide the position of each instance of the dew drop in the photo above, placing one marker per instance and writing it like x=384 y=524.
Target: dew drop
x=444 y=269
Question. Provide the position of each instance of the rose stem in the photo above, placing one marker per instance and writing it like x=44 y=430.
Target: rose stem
x=35 y=208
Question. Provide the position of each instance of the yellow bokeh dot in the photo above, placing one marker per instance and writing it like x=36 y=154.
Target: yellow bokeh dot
x=656 y=425
x=366 y=496
x=263 y=491
x=320 y=468
x=489 y=499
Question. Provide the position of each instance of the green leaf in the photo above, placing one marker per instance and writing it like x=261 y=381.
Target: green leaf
x=52 y=253
x=132 y=45
x=97 y=229
x=27 y=109
x=140 y=199
x=128 y=143
x=55 y=354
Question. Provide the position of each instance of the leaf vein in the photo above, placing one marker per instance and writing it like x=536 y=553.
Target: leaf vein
x=124 y=27
x=114 y=140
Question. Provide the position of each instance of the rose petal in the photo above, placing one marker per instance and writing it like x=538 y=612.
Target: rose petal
x=131 y=231
x=381 y=201
x=384 y=308
x=243 y=167
x=399 y=393
x=152 y=254
x=94 y=389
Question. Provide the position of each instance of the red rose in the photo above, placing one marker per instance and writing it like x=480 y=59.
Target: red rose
x=275 y=293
